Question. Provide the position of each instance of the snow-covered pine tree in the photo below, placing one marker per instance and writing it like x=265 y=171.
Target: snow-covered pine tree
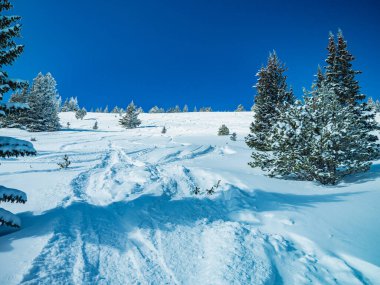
x=65 y=106
x=240 y=108
x=377 y=106
x=321 y=140
x=140 y=110
x=340 y=76
x=223 y=130
x=43 y=103
x=81 y=113
x=130 y=120
x=95 y=127
x=271 y=98
x=115 y=110
x=73 y=105
x=233 y=137
x=195 y=109
x=156 y=109
x=185 y=109
x=106 y=109
x=9 y=51
x=16 y=118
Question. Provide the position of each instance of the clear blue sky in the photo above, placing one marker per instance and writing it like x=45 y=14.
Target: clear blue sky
x=199 y=52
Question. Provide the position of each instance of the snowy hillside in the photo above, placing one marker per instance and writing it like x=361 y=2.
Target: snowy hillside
x=124 y=211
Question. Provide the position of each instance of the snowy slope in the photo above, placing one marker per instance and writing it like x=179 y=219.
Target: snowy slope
x=123 y=212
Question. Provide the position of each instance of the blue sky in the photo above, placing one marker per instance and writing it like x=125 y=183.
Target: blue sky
x=195 y=52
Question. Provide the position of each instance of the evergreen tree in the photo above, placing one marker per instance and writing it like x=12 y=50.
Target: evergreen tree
x=65 y=106
x=9 y=51
x=321 y=140
x=115 y=110
x=106 y=109
x=340 y=76
x=81 y=113
x=195 y=109
x=130 y=119
x=95 y=127
x=185 y=109
x=223 y=131
x=163 y=131
x=73 y=105
x=16 y=118
x=271 y=98
x=156 y=109
x=43 y=103
x=240 y=108
x=233 y=137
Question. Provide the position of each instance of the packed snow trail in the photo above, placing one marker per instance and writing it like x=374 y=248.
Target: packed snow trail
x=125 y=212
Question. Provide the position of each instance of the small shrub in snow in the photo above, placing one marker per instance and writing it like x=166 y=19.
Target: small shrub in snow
x=233 y=137
x=163 y=130
x=33 y=139
x=197 y=191
x=68 y=125
x=223 y=131
x=65 y=163
x=211 y=191
x=95 y=126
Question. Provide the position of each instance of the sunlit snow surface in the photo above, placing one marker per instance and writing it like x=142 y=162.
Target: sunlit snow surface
x=124 y=212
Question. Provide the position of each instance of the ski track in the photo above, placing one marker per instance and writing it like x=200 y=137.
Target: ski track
x=112 y=231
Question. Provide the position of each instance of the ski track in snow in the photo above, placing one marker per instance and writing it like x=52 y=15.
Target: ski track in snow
x=123 y=223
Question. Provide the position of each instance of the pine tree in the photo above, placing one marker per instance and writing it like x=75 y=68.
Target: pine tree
x=195 y=109
x=156 y=109
x=81 y=113
x=9 y=147
x=72 y=105
x=9 y=50
x=340 y=76
x=115 y=110
x=95 y=127
x=233 y=137
x=43 y=103
x=223 y=131
x=163 y=131
x=16 y=118
x=185 y=109
x=321 y=140
x=65 y=106
x=130 y=119
x=106 y=109
x=240 y=108
x=272 y=97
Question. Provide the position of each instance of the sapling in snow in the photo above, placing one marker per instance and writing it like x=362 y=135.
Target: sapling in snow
x=233 y=137
x=65 y=163
x=130 y=120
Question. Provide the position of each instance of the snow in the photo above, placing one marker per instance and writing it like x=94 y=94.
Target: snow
x=124 y=212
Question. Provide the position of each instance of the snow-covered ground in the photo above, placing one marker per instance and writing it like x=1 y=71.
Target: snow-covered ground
x=124 y=212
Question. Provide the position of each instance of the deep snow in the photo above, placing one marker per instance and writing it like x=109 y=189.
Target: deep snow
x=123 y=212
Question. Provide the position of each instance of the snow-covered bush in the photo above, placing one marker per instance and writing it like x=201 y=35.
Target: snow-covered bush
x=233 y=137
x=163 y=131
x=240 y=108
x=130 y=120
x=223 y=131
x=95 y=126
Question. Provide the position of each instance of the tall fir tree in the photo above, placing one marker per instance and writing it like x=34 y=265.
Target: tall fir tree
x=271 y=98
x=9 y=51
x=44 y=104
x=130 y=120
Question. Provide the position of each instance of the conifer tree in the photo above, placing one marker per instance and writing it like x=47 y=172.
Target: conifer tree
x=240 y=108
x=223 y=130
x=81 y=113
x=43 y=103
x=106 y=109
x=130 y=120
x=271 y=98
x=185 y=109
x=321 y=140
x=9 y=51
